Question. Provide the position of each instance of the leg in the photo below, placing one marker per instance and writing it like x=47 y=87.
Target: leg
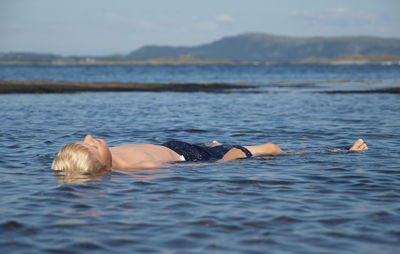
x=234 y=154
x=259 y=150
x=264 y=149
x=359 y=145
x=271 y=149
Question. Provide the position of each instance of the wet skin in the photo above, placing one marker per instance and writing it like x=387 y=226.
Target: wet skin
x=131 y=156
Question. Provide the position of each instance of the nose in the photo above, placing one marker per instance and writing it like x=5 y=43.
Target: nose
x=88 y=139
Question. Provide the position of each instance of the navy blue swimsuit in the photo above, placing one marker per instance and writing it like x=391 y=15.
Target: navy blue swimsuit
x=193 y=152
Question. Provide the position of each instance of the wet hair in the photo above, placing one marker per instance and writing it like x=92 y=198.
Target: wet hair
x=76 y=158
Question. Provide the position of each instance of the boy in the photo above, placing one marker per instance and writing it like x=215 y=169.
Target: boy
x=93 y=155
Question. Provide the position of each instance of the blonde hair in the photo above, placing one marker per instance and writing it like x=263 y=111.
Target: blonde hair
x=77 y=158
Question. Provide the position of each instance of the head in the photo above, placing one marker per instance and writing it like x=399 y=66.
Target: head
x=91 y=155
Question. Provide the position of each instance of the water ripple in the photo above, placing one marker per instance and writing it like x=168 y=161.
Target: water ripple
x=319 y=202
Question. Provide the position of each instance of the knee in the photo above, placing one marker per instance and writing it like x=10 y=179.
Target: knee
x=273 y=149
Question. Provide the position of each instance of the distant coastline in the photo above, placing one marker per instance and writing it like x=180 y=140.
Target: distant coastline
x=244 y=49
x=89 y=61
x=93 y=61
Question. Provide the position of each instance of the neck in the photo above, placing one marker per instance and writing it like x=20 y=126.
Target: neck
x=115 y=160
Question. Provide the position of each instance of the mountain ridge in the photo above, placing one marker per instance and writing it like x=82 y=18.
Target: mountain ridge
x=266 y=47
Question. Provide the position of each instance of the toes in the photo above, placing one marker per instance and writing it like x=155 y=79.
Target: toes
x=359 y=145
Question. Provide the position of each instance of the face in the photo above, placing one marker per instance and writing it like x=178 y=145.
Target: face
x=98 y=147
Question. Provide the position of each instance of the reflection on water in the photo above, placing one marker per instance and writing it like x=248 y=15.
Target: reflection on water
x=346 y=202
x=78 y=178
x=143 y=174
x=133 y=174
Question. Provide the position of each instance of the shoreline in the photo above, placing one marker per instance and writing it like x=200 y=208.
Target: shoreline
x=33 y=86
x=339 y=62
x=48 y=87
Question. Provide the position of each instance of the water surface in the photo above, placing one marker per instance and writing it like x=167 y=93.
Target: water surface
x=317 y=202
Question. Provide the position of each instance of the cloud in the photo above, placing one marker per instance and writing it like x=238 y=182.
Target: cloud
x=337 y=17
x=346 y=21
x=214 y=24
x=224 y=18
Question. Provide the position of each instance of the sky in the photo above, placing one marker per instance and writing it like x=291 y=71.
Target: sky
x=103 y=27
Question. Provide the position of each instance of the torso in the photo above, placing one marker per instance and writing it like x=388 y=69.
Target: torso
x=141 y=156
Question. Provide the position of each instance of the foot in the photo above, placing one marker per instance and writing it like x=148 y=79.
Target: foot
x=214 y=143
x=359 y=145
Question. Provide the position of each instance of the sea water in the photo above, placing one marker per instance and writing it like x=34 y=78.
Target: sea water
x=317 y=202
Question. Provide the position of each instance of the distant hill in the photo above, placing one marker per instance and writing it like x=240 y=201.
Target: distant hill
x=245 y=48
x=259 y=47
